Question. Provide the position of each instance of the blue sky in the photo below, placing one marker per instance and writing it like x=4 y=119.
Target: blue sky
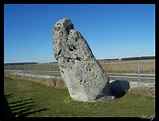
x=111 y=30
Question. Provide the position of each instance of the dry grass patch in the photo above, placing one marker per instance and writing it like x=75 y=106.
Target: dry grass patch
x=146 y=66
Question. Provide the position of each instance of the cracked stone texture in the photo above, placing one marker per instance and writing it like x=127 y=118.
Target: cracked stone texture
x=83 y=75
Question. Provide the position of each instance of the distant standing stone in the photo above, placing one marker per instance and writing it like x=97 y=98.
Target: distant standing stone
x=83 y=75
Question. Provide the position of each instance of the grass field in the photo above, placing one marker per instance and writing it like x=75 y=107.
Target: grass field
x=25 y=98
x=118 y=66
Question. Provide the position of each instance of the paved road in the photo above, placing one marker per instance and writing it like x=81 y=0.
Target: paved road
x=128 y=78
x=57 y=74
x=144 y=79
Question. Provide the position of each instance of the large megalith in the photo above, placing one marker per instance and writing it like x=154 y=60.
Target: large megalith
x=85 y=79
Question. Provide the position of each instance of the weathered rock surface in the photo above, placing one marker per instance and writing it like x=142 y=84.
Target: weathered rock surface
x=83 y=75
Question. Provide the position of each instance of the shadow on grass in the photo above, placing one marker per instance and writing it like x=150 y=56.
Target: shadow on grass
x=119 y=88
x=20 y=108
x=7 y=110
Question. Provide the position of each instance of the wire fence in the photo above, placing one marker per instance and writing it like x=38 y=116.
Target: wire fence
x=51 y=71
x=147 y=68
x=33 y=69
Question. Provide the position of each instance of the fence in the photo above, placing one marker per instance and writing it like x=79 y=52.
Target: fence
x=50 y=71
x=46 y=70
x=42 y=73
x=147 y=67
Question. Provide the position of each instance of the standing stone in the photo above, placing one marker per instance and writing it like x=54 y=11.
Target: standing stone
x=85 y=79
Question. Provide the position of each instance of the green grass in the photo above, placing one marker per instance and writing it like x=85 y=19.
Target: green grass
x=30 y=99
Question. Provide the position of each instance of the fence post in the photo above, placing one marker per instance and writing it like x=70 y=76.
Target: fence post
x=154 y=69
x=35 y=70
x=8 y=69
x=49 y=71
x=138 y=76
x=24 y=70
x=15 y=70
